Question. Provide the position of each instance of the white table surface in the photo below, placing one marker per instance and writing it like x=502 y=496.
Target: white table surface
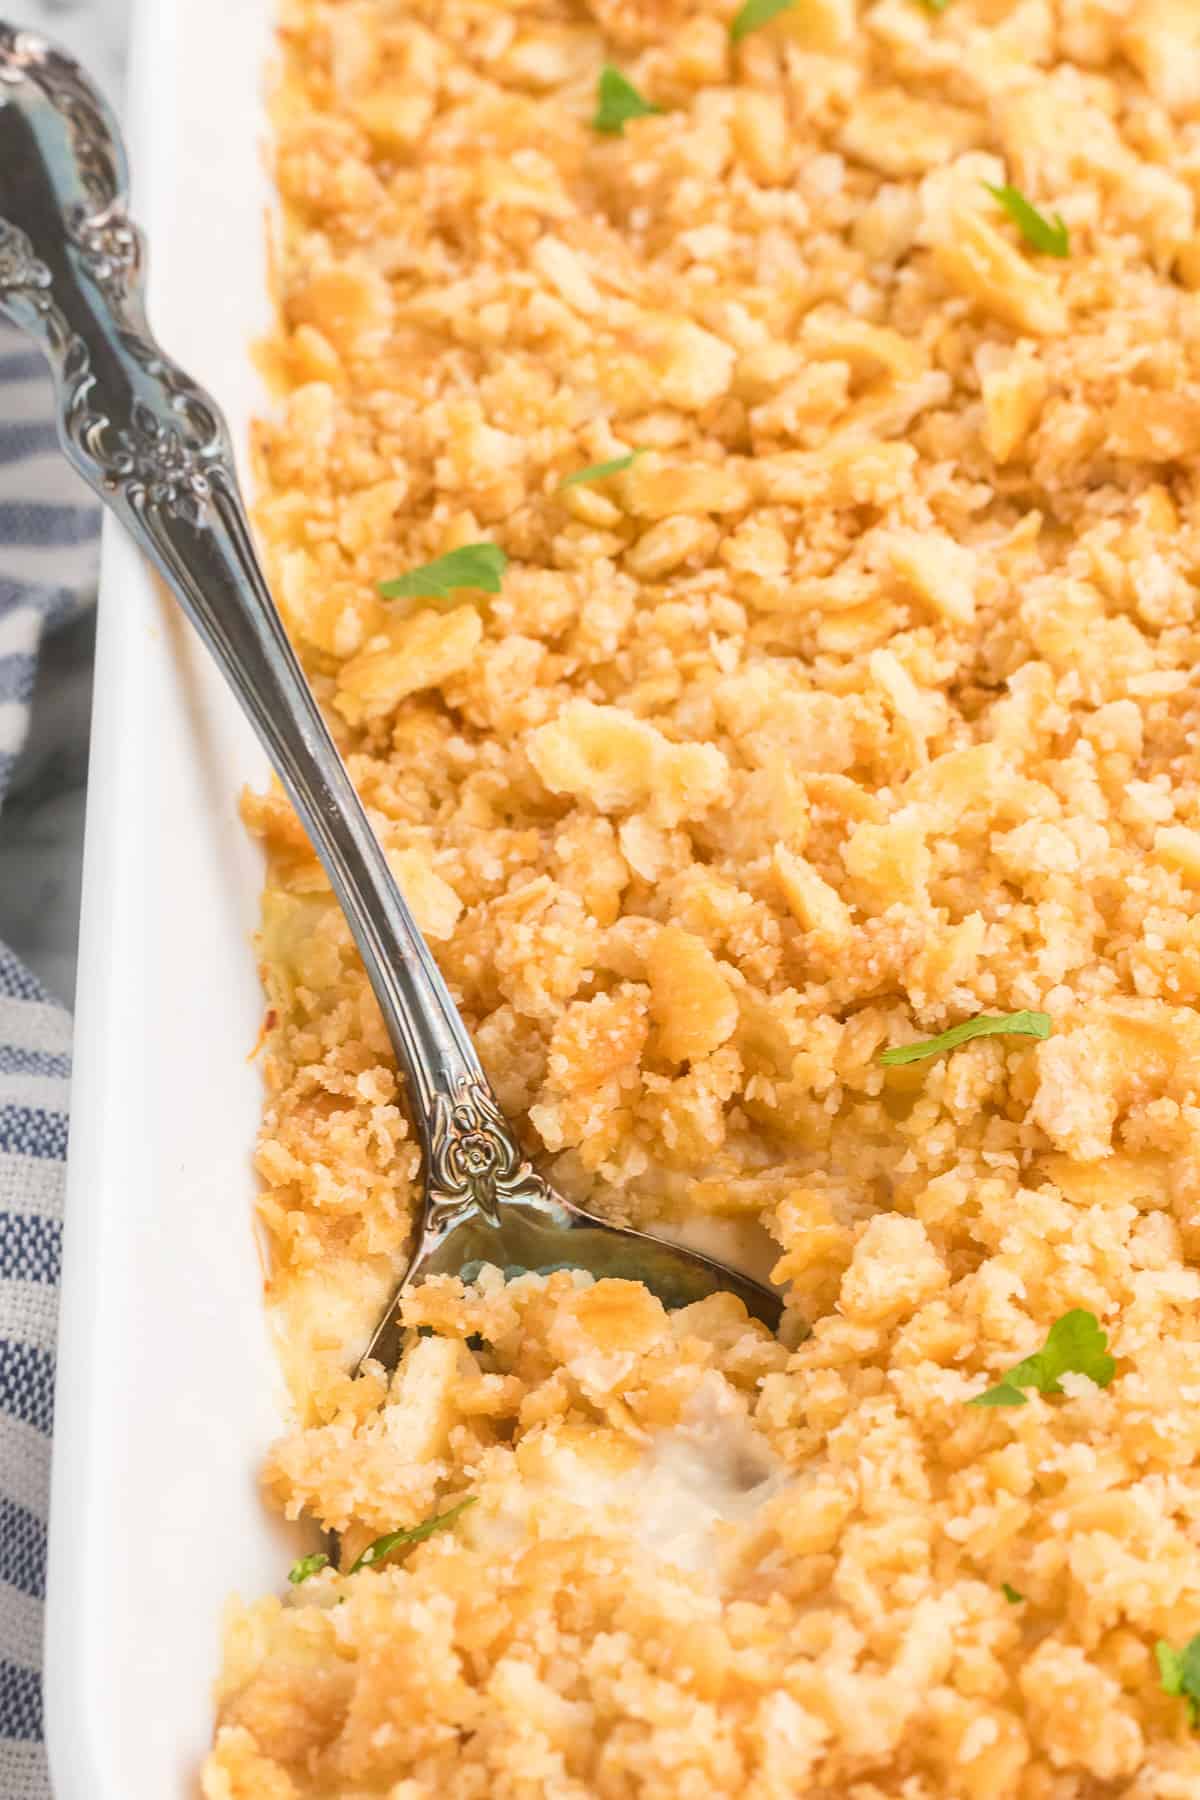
x=41 y=826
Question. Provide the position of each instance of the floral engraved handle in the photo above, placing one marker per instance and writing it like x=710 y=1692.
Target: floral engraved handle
x=474 y=1159
x=109 y=248
x=70 y=273
x=21 y=274
x=154 y=445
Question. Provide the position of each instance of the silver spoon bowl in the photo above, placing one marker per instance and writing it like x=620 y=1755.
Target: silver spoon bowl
x=154 y=446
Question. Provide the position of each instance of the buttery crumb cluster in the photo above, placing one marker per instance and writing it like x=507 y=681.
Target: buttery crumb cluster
x=861 y=701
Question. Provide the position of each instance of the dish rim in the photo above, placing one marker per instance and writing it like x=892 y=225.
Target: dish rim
x=167 y=1403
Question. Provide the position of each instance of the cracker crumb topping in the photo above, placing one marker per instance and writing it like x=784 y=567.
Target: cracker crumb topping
x=860 y=702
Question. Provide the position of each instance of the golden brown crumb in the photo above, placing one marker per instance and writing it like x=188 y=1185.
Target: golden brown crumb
x=862 y=701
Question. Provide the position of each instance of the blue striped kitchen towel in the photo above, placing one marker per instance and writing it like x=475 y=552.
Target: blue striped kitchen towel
x=48 y=542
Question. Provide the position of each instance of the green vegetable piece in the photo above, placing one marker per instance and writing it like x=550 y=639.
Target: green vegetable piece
x=600 y=471
x=935 y=6
x=1170 y=1668
x=408 y=1534
x=1004 y=1394
x=1051 y=237
x=1075 y=1345
x=1018 y=1024
x=1179 y=1672
x=618 y=101
x=470 y=566
x=1011 y=1594
x=755 y=14
x=308 y=1565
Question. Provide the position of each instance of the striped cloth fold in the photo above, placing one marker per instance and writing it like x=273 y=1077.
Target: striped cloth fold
x=48 y=542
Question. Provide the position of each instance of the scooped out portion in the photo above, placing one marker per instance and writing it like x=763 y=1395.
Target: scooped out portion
x=664 y=1550
x=564 y=1430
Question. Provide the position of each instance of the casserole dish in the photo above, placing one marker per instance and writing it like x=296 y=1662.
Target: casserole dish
x=954 y=1231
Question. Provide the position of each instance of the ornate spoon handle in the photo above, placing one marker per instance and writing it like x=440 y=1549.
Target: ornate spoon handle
x=156 y=449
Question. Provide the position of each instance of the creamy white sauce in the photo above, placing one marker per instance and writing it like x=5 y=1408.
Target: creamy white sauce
x=742 y=1244
x=713 y=1468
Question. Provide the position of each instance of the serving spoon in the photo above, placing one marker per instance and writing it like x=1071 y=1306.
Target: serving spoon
x=154 y=446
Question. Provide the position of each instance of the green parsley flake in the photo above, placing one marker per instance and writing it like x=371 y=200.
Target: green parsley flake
x=618 y=101
x=755 y=14
x=1018 y=1024
x=408 y=1534
x=470 y=566
x=1051 y=237
x=1179 y=1671
x=1011 y=1594
x=1074 y=1346
x=935 y=6
x=600 y=471
x=308 y=1565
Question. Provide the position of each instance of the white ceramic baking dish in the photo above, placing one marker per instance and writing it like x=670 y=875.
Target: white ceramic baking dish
x=167 y=1388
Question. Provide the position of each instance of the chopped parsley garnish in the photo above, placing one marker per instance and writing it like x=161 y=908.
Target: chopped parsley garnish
x=308 y=1565
x=408 y=1534
x=618 y=101
x=1050 y=236
x=1179 y=1671
x=600 y=471
x=1010 y=1594
x=755 y=14
x=935 y=6
x=1075 y=1345
x=470 y=566
x=1019 y=1024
